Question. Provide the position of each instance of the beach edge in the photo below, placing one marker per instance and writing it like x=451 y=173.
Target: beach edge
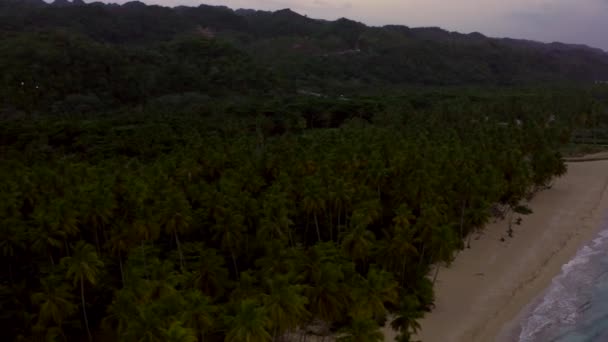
x=494 y=313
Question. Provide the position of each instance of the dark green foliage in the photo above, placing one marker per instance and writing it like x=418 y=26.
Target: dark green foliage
x=68 y=73
x=133 y=218
x=160 y=184
x=332 y=57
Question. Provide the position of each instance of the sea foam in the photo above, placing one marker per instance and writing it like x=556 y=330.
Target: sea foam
x=568 y=296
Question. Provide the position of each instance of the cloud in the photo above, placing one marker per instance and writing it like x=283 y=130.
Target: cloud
x=583 y=22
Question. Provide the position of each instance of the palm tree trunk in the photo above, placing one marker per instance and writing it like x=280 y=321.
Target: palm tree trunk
x=339 y=213
x=331 y=225
x=97 y=241
x=236 y=269
x=84 y=309
x=403 y=274
x=462 y=220
x=307 y=226
x=10 y=271
x=179 y=249
x=436 y=273
x=122 y=273
x=290 y=237
x=67 y=247
x=317 y=226
x=421 y=256
x=143 y=254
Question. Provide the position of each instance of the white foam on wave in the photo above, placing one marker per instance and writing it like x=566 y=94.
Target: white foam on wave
x=556 y=309
x=561 y=303
x=582 y=257
x=603 y=236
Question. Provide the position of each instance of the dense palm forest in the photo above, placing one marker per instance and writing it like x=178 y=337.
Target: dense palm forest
x=165 y=185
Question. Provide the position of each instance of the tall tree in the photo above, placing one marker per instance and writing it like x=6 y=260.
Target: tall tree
x=248 y=323
x=54 y=302
x=199 y=313
x=83 y=265
x=361 y=330
x=285 y=305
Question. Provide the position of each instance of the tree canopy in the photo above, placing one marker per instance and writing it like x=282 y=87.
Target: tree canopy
x=203 y=174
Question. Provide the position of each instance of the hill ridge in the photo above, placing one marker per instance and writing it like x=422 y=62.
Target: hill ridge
x=308 y=50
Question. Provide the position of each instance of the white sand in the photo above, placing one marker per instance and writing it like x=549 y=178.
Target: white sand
x=489 y=284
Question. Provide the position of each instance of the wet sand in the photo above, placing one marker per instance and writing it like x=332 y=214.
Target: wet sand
x=488 y=285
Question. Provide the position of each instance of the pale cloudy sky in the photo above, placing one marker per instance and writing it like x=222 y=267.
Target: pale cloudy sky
x=571 y=21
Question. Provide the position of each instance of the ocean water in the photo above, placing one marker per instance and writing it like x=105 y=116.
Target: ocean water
x=575 y=306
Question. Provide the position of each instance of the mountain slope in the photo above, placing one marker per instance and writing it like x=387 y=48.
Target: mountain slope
x=336 y=56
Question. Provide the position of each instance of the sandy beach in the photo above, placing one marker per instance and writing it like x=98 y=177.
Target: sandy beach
x=489 y=285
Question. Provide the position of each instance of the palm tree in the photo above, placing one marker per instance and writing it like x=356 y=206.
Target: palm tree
x=100 y=207
x=312 y=201
x=55 y=302
x=198 y=314
x=248 y=324
x=367 y=212
x=399 y=243
x=443 y=242
x=428 y=224
x=407 y=317
x=62 y=219
x=361 y=330
x=373 y=292
x=376 y=172
x=285 y=305
x=229 y=228
x=176 y=332
x=83 y=265
x=13 y=235
x=175 y=217
x=358 y=243
x=47 y=334
x=146 y=230
x=122 y=312
x=119 y=243
x=326 y=294
x=279 y=259
x=45 y=239
x=209 y=273
x=341 y=197
x=275 y=222
x=147 y=325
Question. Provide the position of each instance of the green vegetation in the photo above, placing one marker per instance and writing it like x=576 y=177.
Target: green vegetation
x=171 y=187
x=330 y=57
x=149 y=223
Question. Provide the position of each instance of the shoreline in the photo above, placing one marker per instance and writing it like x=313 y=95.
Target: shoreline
x=485 y=291
x=512 y=330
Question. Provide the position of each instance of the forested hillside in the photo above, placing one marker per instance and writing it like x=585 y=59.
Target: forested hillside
x=332 y=56
x=203 y=174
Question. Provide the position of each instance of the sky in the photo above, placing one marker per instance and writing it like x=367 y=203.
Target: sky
x=569 y=21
